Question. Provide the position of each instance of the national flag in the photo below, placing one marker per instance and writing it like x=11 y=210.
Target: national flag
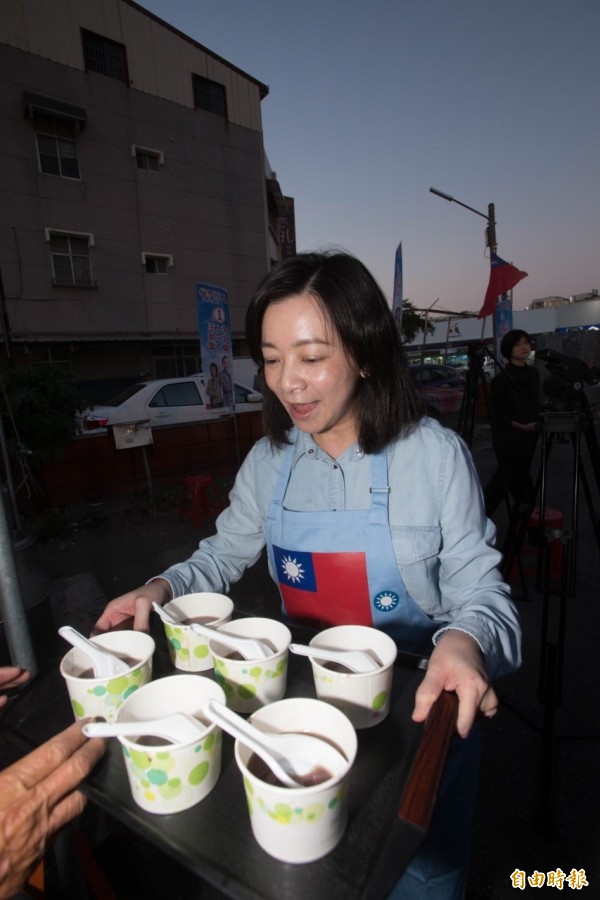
x=503 y=277
x=330 y=588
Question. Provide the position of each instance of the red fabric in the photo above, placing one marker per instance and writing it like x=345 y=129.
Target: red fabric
x=503 y=277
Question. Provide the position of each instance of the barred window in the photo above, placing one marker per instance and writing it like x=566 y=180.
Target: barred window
x=104 y=56
x=70 y=254
x=146 y=158
x=157 y=263
x=210 y=95
x=56 y=146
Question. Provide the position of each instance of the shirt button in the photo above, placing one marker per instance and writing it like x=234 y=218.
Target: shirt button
x=335 y=467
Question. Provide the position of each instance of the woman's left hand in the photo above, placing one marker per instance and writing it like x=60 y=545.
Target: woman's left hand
x=457 y=664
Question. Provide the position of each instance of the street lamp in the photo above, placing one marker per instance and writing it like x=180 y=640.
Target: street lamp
x=490 y=231
x=427 y=311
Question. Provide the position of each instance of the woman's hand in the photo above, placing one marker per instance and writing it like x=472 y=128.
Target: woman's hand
x=38 y=796
x=457 y=664
x=135 y=605
x=11 y=676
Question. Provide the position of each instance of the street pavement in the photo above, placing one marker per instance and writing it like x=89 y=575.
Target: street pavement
x=537 y=809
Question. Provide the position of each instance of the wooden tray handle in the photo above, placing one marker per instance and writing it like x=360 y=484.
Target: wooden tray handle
x=424 y=778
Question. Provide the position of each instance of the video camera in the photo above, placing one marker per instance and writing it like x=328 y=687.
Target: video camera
x=567 y=378
x=476 y=354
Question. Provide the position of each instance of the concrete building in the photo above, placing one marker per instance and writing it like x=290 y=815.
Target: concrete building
x=132 y=166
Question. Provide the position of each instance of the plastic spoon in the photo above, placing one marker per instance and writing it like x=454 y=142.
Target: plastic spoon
x=104 y=663
x=355 y=660
x=293 y=758
x=178 y=728
x=250 y=648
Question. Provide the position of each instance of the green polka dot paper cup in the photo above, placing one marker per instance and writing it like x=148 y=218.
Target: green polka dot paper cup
x=364 y=697
x=168 y=778
x=189 y=651
x=250 y=684
x=298 y=825
x=101 y=697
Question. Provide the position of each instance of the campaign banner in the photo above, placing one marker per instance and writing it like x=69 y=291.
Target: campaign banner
x=397 y=301
x=215 y=345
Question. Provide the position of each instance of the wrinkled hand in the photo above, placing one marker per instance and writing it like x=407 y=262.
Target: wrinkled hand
x=135 y=605
x=11 y=676
x=37 y=797
x=457 y=664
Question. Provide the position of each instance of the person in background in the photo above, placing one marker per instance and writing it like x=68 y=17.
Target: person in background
x=38 y=794
x=213 y=387
x=350 y=468
x=515 y=408
x=226 y=383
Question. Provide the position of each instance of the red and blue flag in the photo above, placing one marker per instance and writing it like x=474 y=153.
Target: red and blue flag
x=330 y=588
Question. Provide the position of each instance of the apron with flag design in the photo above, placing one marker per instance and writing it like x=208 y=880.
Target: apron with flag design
x=338 y=567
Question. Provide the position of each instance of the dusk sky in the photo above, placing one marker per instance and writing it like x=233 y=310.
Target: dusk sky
x=372 y=103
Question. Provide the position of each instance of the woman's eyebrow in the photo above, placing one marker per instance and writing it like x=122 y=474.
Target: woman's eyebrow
x=303 y=343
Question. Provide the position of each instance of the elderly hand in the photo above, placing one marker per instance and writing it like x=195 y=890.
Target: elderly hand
x=37 y=797
x=11 y=676
x=457 y=664
x=135 y=605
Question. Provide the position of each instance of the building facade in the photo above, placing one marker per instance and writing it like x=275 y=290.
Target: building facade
x=132 y=167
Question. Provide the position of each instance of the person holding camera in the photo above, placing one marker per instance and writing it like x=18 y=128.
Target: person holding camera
x=515 y=408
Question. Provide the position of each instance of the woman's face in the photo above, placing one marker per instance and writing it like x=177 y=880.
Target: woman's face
x=309 y=371
x=521 y=350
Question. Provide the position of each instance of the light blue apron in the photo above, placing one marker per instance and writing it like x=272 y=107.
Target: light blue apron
x=338 y=567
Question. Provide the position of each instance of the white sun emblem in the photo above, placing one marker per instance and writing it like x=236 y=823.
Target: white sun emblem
x=292 y=569
x=386 y=601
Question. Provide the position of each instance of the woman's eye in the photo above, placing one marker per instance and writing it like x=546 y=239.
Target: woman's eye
x=269 y=362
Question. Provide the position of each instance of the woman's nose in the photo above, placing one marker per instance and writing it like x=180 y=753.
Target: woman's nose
x=290 y=378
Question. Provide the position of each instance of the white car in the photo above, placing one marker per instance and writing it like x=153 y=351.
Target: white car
x=166 y=401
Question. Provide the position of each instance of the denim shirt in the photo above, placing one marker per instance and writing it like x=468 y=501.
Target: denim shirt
x=443 y=542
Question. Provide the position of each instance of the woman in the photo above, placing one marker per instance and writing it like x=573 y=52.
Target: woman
x=349 y=468
x=213 y=387
x=515 y=407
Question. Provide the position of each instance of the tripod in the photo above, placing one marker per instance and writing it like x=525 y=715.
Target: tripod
x=474 y=378
x=578 y=425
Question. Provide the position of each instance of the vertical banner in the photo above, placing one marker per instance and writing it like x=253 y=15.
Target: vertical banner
x=287 y=230
x=503 y=321
x=397 y=301
x=215 y=345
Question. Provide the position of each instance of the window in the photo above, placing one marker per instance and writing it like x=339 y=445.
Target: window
x=175 y=360
x=55 y=355
x=56 y=146
x=104 y=56
x=210 y=95
x=157 y=263
x=70 y=254
x=183 y=393
x=148 y=159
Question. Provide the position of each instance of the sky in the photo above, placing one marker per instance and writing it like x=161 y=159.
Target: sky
x=372 y=102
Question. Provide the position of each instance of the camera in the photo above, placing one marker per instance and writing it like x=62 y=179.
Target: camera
x=567 y=377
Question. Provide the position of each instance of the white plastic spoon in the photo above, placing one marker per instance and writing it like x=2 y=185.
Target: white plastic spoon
x=355 y=660
x=104 y=663
x=250 y=648
x=179 y=728
x=293 y=758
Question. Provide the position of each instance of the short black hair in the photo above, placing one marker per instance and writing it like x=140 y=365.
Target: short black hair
x=509 y=341
x=389 y=405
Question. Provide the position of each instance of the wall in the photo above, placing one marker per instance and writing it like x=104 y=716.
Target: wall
x=93 y=469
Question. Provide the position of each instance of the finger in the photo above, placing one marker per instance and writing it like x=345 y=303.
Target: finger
x=426 y=695
x=112 y=620
x=29 y=771
x=141 y=619
x=467 y=710
x=11 y=676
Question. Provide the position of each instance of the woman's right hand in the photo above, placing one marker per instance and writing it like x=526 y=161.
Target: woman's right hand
x=135 y=605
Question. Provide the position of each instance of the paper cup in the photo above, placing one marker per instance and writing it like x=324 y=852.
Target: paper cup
x=249 y=684
x=299 y=825
x=172 y=777
x=364 y=697
x=102 y=697
x=189 y=651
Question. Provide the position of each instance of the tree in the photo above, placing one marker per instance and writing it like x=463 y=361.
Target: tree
x=38 y=406
x=412 y=322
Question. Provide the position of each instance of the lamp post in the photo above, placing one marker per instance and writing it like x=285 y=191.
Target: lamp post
x=490 y=233
x=427 y=311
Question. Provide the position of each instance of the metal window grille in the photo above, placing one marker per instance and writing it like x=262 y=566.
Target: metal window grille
x=70 y=260
x=104 y=56
x=57 y=147
x=210 y=95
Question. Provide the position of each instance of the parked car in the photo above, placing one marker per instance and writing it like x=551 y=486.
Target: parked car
x=442 y=387
x=165 y=401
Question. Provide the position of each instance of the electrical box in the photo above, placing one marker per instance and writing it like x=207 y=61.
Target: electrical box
x=132 y=434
